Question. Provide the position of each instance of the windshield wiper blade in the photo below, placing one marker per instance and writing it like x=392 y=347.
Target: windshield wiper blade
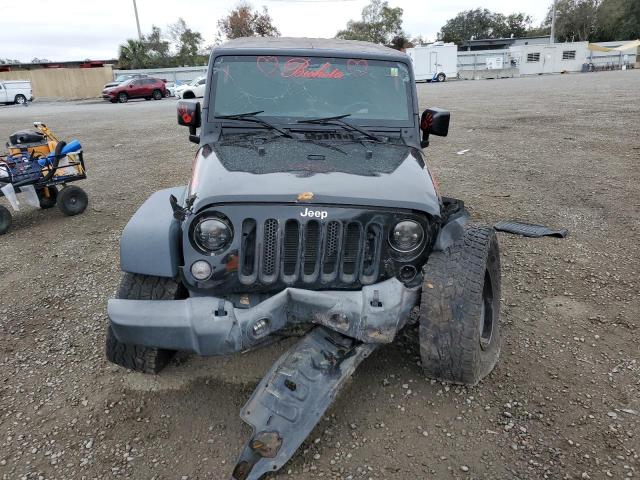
x=251 y=117
x=338 y=119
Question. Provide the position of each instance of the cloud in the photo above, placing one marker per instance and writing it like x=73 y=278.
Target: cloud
x=79 y=29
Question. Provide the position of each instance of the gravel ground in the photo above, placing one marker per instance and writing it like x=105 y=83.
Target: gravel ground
x=563 y=402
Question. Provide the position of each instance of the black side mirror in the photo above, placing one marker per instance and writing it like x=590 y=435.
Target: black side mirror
x=434 y=121
x=189 y=116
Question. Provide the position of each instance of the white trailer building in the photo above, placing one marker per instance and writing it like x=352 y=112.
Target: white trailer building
x=550 y=58
x=434 y=62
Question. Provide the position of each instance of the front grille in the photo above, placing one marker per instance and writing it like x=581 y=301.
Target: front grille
x=307 y=251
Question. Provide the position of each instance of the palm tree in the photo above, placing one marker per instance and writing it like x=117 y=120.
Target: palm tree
x=133 y=54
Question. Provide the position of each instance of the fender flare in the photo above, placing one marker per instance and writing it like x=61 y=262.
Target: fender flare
x=452 y=230
x=151 y=242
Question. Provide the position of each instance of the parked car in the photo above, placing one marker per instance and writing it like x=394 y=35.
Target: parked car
x=15 y=91
x=311 y=208
x=171 y=88
x=194 y=89
x=123 y=78
x=146 y=88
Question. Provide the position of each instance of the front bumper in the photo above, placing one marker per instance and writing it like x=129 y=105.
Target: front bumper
x=213 y=326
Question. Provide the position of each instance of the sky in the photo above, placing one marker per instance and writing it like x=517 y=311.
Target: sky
x=81 y=29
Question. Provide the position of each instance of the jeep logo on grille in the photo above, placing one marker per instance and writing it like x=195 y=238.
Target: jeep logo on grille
x=322 y=214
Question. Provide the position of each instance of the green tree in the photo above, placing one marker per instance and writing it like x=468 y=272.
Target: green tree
x=483 y=23
x=618 y=20
x=576 y=20
x=186 y=43
x=242 y=21
x=158 y=48
x=379 y=24
x=133 y=54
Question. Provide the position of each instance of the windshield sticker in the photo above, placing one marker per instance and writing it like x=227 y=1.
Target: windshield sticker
x=357 y=68
x=299 y=68
x=268 y=65
x=393 y=71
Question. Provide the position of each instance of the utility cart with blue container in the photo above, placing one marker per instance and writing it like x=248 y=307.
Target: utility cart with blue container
x=40 y=167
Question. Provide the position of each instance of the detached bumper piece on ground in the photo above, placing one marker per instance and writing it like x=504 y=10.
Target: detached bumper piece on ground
x=36 y=166
x=530 y=229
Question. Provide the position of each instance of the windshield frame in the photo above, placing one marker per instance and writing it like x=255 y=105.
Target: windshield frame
x=292 y=122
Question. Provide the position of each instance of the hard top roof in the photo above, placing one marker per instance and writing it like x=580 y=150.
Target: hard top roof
x=315 y=46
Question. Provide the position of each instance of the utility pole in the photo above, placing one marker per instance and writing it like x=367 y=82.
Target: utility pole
x=552 y=38
x=135 y=9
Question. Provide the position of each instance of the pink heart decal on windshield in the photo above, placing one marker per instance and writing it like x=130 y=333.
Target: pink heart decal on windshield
x=267 y=65
x=357 y=68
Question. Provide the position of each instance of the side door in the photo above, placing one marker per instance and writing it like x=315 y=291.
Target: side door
x=3 y=94
x=135 y=88
x=149 y=85
x=434 y=64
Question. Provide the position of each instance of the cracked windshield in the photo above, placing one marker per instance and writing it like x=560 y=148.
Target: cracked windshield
x=310 y=87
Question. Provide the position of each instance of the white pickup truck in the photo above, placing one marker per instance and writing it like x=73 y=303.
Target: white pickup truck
x=15 y=91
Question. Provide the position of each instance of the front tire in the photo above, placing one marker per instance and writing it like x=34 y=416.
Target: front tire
x=5 y=220
x=460 y=334
x=72 y=200
x=157 y=94
x=136 y=357
x=123 y=97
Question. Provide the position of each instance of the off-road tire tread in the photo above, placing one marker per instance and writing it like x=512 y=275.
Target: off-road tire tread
x=5 y=220
x=137 y=357
x=451 y=307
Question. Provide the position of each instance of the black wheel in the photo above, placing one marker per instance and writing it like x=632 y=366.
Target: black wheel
x=72 y=200
x=157 y=94
x=459 y=314
x=123 y=97
x=441 y=77
x=136 y=357
x=20 y=99
x=48 y=197
x=5 y=220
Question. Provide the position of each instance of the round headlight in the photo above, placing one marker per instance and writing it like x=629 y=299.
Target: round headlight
x=406 y=236
x=212 y=234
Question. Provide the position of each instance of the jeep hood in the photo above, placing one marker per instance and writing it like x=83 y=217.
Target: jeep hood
x=341 y=173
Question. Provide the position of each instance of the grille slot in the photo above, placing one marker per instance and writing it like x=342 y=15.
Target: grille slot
x=270 y=247
x=311 y=247
x=291 y=244
x=331 y=250
x=371 y=254
x=351 y=249
x=248 y=250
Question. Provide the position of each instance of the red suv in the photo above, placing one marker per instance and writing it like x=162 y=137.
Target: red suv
x=146 y=88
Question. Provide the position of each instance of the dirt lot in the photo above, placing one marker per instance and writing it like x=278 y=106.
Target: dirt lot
x=563 y=402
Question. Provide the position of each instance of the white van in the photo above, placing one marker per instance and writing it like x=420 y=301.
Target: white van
x=15 y=91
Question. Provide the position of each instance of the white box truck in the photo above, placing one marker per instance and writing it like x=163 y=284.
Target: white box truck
x=15 y=91
x=434 y=62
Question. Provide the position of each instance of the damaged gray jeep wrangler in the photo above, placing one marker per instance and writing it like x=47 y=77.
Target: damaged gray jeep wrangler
x=311 y=211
